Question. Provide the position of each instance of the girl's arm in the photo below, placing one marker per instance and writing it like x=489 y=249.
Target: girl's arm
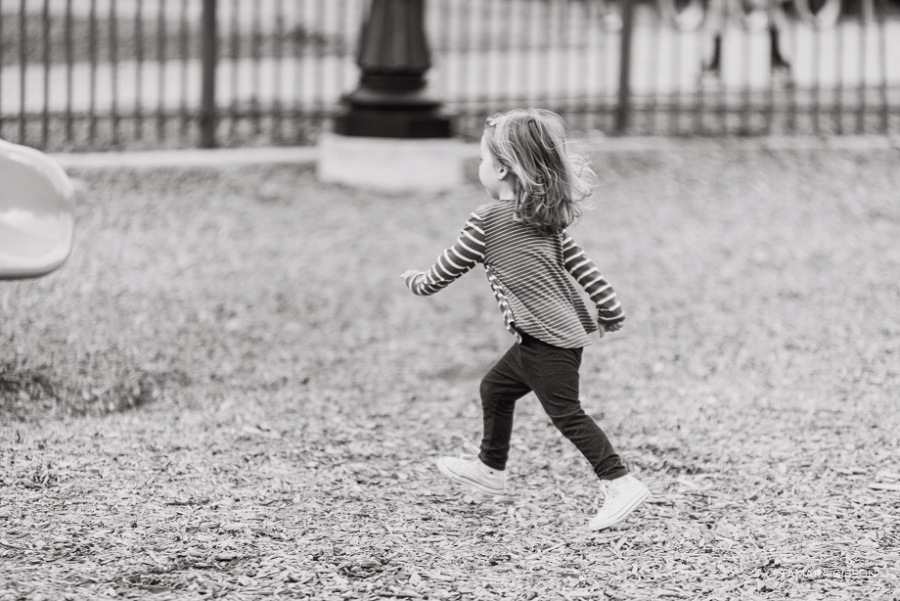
x=609 y=311
x=453 y=262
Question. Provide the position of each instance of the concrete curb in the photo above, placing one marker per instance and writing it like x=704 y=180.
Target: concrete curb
x=309 y=155
x=193 y=158
x=770 y=143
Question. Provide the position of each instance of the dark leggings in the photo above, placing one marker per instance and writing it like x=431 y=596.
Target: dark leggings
x=552 y=373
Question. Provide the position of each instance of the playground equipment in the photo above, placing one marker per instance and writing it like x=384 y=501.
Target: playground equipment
x=36 y=213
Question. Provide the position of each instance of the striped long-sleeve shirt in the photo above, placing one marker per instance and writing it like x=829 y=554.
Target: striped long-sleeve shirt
x=527 y=271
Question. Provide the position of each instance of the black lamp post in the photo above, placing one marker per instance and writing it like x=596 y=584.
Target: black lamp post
x=391 y=100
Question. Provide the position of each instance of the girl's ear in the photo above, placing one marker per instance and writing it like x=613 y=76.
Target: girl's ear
x=502 y=171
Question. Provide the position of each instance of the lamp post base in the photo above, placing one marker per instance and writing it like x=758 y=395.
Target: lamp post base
x=393 y=123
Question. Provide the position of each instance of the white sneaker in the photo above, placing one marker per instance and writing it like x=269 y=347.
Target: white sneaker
x=469 y=470
x=710 y=80
x=781 y=76
x=621 y=497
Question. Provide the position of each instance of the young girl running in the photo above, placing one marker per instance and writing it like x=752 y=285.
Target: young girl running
x=537 y=184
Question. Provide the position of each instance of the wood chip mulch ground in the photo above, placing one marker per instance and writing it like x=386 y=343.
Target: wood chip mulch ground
x=227 y=393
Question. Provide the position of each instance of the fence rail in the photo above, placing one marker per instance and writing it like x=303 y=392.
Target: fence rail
x=104 y=74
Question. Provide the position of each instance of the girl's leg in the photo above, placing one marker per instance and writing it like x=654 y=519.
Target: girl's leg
x=714 y=64
x=778 y=60
x=500 y=389
x=553 y=374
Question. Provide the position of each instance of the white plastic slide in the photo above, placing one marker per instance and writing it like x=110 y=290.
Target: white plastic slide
x=36 y=213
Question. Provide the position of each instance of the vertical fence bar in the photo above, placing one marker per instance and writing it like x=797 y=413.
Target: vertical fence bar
x=817 y=82
x=235 y=53
x=70 y=67
x=23 y=63
x=319 y=38
x=587 y=65
x=792 y=102
x=591 y=23
x=582 y=49
x=469 y=17
x=444 y=44
x=545 y=46
x=114 y=66
x=610 y=73
x=530 y=45
x=698 y=106
x=543 y=66
x=514 y=53
x=588 y=98
x=347 y=20
x=747 y=84
x=721 y=97
x=299 y=33
x=650 y=106
x=162 y=60
x=312 y=55
x=882 y=39
x=183 y=48
x=541 y=28
x=623 y=109
x=522 y=50
x=45 y=112
x=864 y=21
x=255 y=59
x=339 y=44
x=92 y=56
x=837 y=113
x=2 y=62
x=139 y=66
x=771 y=7
x=506 y=44
x=477 y=52
x=566 y=40
x=277 y=68
x=576 y=44
x=456 y=48
x=675 y=108
x=209 y=55
x=455 y=26
x=561 y=49
x=840 y=79
x=486 y=48
x=302 y=70
x=699 y=103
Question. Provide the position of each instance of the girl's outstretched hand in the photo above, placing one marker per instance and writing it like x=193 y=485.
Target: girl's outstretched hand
x=408 y=274
x=609 y=327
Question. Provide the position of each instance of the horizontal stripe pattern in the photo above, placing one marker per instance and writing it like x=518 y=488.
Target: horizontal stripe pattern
x=577 y=263
x=466 y=252
x=530 y=266
x=529 y=275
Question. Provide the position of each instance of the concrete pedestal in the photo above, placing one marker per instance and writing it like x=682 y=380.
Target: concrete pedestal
x=392 y=164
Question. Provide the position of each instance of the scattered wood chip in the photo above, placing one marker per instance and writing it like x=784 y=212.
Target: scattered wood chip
x=884 y=486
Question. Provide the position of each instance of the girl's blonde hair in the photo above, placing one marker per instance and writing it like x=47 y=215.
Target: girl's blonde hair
x=552 y=178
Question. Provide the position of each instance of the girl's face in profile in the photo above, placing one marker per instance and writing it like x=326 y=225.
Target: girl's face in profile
x=488 y=172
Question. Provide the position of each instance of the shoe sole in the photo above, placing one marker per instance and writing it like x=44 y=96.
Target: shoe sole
x=470 y=483
x=623 y=513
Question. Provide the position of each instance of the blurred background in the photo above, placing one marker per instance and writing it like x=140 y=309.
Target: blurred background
x=127 y=74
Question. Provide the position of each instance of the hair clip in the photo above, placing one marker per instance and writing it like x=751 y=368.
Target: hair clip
x=493 y=119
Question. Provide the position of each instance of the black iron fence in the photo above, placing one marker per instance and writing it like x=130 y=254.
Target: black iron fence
x=103 y=74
